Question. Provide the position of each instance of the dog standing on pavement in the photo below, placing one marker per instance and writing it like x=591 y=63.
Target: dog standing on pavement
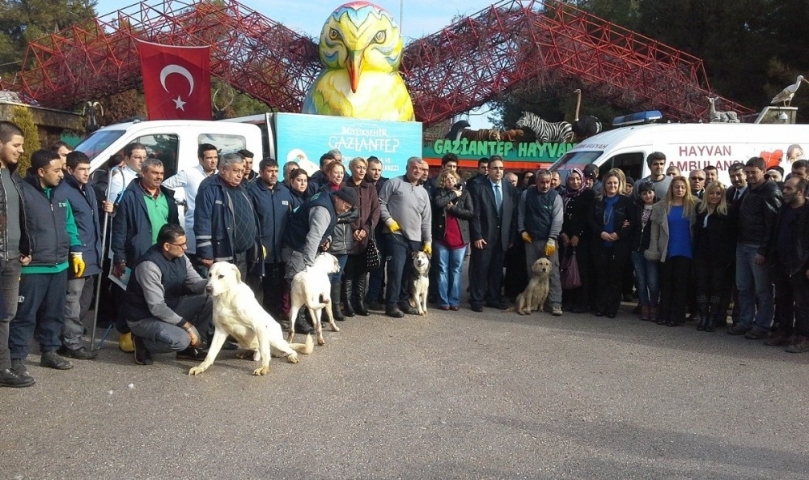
x=311 y=289
x=236 y=312
x=534 y=295
x=420 y=284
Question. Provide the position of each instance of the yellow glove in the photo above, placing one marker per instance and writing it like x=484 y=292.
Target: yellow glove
x=526 y=237
x=78 y=264
x=264 y=251
x=427 y=248
x=392 y=225
x=550 y=247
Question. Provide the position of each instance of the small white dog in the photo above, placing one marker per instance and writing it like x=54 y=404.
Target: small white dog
x=420 y=284
x=311 y=288
x=534 y=295
x=236 y=312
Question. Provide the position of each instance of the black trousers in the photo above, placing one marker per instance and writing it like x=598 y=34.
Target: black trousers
x=791 y=301
x=611 y=269
x=674 y=278
x=486 y=274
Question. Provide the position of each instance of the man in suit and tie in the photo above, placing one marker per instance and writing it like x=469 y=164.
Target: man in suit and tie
x=540 y=217
x=493 y=230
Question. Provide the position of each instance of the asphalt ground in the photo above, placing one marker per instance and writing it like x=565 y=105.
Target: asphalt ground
x=452 y=395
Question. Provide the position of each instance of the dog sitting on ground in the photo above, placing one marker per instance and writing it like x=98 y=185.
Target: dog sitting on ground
x=311 y=288
x=534 y=295
x=236 y=312
x=420 y=284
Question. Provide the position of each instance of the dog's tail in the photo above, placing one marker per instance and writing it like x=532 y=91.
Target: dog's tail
x=304 y=348
x=311 y=303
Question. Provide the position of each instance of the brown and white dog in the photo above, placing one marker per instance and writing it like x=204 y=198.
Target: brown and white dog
x=420 y=283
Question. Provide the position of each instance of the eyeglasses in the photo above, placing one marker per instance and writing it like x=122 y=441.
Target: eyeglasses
x=181 y=245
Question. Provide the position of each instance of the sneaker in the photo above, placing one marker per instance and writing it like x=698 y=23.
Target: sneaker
x=10 y=379
x=192 y=353
x=756 y=334
x=557 y=311
x=80 y=353
x=125 y=343
x=738 y=329
x=142 y=355
x=800 y=347
x=54 y=361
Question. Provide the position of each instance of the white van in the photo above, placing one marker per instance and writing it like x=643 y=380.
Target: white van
x=175 y=142
x=689 y=146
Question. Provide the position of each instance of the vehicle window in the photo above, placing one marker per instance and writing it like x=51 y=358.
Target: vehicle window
x=163 y=147
x=572 y=160
x=226 y=143
x=630 y=163
x=98 y=142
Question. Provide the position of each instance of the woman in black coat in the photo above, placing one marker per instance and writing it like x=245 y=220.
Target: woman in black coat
x=611 y=225
x=647 y=277
x=452 y=210
x=573 y=240
x=714 y=251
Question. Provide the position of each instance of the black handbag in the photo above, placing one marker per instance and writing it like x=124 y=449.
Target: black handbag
x=372 y=260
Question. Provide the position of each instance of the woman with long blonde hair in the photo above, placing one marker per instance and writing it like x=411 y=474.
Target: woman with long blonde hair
x=671 y=244
x=714 y=251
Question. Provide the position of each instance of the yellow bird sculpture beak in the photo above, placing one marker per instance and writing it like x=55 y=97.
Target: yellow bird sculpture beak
x=354 y=66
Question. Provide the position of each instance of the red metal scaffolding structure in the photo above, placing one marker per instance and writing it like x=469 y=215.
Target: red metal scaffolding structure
x=510 y=43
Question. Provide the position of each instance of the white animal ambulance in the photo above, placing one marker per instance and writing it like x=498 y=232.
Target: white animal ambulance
x=689 y=146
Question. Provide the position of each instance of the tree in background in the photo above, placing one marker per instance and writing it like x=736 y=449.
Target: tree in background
x=22 y=117
x=24 y=20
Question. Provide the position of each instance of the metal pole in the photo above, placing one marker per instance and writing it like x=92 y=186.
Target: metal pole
x=401 y=18
x=100 y=279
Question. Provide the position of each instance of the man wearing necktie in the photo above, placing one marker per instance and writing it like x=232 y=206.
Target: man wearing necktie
x=493 y=230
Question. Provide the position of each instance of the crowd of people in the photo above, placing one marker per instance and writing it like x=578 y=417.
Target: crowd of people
x=678 y=243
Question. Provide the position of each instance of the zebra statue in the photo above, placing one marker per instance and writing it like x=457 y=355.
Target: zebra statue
x=557 y=132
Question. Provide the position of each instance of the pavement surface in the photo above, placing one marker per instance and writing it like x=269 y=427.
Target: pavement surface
x=454 y=395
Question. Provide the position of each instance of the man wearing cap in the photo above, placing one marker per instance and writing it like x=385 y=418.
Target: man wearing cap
x=309 y=230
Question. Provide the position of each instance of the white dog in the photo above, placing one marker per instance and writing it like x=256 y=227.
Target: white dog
x=236 y=312
x=420 y=284
x=311 y=288
x=534 y=295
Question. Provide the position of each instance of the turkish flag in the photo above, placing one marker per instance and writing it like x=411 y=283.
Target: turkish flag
x=176 y=81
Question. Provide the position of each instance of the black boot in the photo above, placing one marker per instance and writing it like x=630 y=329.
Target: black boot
x=358 y=294
x=348 y=309
x=716 y=316
x=702 y=301
x=302 y=325
x=335 y=302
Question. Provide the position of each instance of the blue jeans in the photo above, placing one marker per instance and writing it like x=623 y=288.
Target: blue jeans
x=647 y=279
x=755 y=286
x=450 y=264
x=337 y=277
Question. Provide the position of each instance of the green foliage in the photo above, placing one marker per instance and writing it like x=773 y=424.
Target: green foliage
x=22 y=117
x=24 y=20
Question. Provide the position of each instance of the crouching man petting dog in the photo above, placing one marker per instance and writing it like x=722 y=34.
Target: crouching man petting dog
x=165 y=303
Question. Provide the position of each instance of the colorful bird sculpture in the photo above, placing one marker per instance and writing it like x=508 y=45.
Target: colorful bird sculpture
x=786 y=94
x=361 y=47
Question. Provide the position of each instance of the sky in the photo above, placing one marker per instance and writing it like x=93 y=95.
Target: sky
x=417 y=18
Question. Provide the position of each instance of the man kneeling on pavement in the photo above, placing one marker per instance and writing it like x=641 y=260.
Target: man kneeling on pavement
x=165 y=303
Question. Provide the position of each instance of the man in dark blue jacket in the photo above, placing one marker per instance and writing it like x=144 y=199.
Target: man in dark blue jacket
x=48 y=236
x=225 y=222
x=80 y=284
x=144 y=208
x=273 y=203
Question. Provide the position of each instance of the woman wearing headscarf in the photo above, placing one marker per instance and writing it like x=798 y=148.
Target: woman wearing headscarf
x=577 y=199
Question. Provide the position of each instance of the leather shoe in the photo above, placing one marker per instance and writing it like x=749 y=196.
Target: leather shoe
x=454 y=308
x=497 y=305
x=599 y=313
x=192 y=353
x=476 y=307
x=52 y=360
x=10 y=379
x=610 y=315
x=408 y=309
x=80 y=353
x=142 y=356
x=394 y=312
